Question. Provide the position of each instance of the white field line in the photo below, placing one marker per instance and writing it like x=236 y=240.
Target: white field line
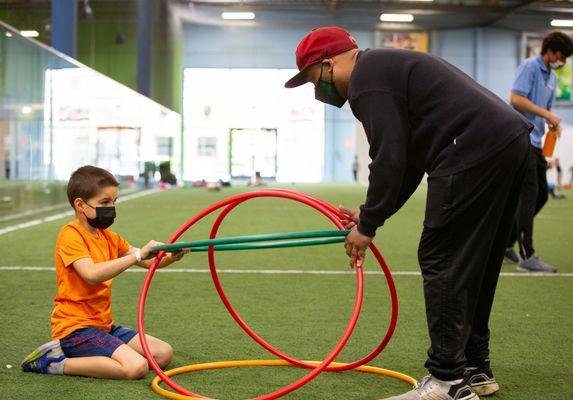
x=54 y=217
x=279 y=271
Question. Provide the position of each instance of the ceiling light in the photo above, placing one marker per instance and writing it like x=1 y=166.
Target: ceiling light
x=8 y=34
x=26 y=110
x=562 y=22
x=238 y=15
x=396 y=17
x=30 y=33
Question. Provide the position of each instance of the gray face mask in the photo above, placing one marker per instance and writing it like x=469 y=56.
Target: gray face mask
x=326 y=92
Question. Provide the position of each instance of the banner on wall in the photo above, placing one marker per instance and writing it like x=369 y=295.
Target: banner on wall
x=411 y=41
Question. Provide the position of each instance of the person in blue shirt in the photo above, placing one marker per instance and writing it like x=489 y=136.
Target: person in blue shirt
x=533 y=94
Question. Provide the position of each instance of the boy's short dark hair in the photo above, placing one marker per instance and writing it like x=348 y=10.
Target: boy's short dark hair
x=557 y=41
x=87 y=181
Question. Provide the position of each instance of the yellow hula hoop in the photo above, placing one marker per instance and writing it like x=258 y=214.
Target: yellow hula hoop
x=155 y=384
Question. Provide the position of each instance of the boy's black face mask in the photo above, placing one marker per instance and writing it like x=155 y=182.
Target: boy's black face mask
x=104 y=217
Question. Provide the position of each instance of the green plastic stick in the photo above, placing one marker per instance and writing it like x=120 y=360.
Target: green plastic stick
x=228 y=243
x=270 y=245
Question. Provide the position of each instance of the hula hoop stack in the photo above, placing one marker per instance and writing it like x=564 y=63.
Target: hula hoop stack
x=265 y=242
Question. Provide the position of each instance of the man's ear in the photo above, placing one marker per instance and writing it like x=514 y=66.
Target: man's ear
x=328 y=64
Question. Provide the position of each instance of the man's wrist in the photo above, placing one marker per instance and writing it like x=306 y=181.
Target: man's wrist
x=366 y=229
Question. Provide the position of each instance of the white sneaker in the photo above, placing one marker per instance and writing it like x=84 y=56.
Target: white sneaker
x=432 y=388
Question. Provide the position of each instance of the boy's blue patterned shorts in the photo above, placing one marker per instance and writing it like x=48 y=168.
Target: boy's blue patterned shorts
x=90 y=341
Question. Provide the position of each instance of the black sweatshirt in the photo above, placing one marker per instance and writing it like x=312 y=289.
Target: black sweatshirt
x=422 y=114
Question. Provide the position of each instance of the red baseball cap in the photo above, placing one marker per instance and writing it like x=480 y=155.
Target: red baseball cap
x=317 y=45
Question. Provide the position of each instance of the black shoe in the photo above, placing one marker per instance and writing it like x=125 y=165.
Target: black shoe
x=511 y=256
x=482 y=381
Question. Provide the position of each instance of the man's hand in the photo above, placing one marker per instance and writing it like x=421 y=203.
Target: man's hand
x=558 y=131
x=353 y=217
x=356 y=245
x=553 y=120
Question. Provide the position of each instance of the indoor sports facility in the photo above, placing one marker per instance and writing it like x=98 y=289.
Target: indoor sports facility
x=310 y=199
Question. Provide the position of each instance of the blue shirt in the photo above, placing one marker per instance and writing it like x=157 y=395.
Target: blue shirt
x=536 y=82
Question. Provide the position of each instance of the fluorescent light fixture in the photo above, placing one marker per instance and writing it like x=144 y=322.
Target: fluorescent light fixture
x=8 y=34
x=30 y=33
x=26 y=110
x=396 y=17
x=238 y=15
x=562 y=22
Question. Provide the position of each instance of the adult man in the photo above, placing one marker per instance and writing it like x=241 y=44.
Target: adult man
x=422 y=114
x=532 y=94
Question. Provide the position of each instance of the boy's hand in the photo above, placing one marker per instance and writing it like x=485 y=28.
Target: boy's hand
x=146 y=253
x=353 y=217
x=170 y=258
x=174 y=257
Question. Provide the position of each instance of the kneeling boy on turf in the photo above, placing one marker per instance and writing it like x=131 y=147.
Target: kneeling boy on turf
x=88 y=257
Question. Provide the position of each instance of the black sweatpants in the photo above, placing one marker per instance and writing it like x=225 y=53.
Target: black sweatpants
x=534 y=195
x=466 y=229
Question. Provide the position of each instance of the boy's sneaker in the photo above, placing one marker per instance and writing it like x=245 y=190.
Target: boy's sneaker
x=46 y=359
x=432 y=388
x=534 y=264
x=482 y=381
x=511 y=256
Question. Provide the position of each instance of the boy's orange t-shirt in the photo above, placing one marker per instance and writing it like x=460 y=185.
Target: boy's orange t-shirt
x=77 y=303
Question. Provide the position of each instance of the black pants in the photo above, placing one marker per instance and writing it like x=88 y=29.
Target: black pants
x=466 y=230
x=534 y=194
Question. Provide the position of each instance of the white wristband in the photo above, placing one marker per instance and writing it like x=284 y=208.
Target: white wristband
x=137 y=253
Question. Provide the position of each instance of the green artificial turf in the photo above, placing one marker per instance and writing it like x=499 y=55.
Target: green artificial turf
x=303 y=315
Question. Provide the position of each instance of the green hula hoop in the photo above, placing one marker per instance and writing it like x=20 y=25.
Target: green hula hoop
x=249 y=242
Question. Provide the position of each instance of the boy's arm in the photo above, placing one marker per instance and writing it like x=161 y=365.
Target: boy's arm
x=95 y=273
x=169 y=259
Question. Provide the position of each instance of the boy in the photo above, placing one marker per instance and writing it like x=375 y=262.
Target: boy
x=88 y=257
